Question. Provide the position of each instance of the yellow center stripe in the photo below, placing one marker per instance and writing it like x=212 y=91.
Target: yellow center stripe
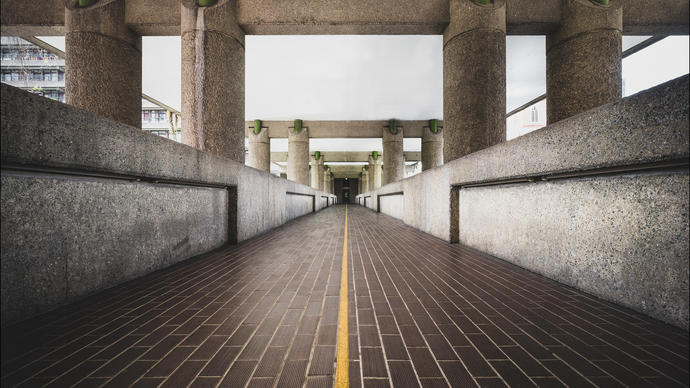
x=342 y=371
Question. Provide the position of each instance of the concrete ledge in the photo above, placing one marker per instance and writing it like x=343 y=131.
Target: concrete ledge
x=88 y=203
x=608 y=213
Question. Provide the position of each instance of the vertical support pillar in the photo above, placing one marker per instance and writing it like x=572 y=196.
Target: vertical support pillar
x=331 y=189
x=364 y=183
x=103 y=61
x=298 y=154
x=213 y=78
x=317 y=171
x=259 y=155
x=393 y=159
x=583 y=58
x=324 y=179
x=474 y=77
x=374 y=171
x=432 y=146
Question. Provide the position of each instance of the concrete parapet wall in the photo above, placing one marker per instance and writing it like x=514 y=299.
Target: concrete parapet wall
x=608 y=213
x=88 y=203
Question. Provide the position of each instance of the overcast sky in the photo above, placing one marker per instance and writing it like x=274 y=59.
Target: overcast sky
x=364 y=77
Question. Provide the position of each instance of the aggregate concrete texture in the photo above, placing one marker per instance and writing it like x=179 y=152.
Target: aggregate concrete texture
x=298 y=156
x=617 y=215
x=474 y=78
x=213 y=79
x=385 y=17
x=103 y=61
x=583 y=59
x=432 y=149
x=259 y=150
x=113 y=175
x=59 y=233
x=375 y=172
x=623 y=238
x=393 y=160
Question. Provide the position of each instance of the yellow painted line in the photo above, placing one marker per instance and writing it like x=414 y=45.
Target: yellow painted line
x=342 y=370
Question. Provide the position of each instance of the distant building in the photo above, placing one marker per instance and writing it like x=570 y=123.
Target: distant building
x=29 y=67
x=527 y=120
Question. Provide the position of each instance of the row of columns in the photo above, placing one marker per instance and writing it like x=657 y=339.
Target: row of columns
x=103 y=59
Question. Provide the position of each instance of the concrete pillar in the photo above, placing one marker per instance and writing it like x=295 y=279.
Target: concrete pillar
x=316 y=172
x=324 y=179
x=393 y=158
x=213 y=79
x=432 y=147
x=298 y=156
x=364 y=182
x=103 y=61
x=332 y=186
x=583 y=58
x=259 y=155
x=374 y=171
x=474 y=78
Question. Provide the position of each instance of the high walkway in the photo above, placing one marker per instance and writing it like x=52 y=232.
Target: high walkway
x=422 y=312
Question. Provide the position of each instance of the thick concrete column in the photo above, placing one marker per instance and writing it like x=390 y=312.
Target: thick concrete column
x=393 y=158
x=298 y=156
x=259 y=155
x=583 y=58
x=324 y=179
x=474 y=78
x=213 y=79
x=432 y=147
x=364 y=183
x=332 y=186
x=374 y=171
x=103 y=61
x=316 y=171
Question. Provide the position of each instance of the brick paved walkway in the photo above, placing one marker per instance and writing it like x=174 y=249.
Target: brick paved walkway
x=422 y=312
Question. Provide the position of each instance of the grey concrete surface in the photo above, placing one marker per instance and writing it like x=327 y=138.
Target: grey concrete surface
x=393 y=205
x=298 y=156
x=627 y=217
x=342 y=128
x=623 y=238
x=474 y=78
x=213 y=79
x=114 y=195
x=583 y=59
x=259 y=151
x=432 y=149
x=375 y=172
x=316 y=171
x=346 y=156
x=60 y=235
x=393 y=160
x=528 y=17
x=103 y=58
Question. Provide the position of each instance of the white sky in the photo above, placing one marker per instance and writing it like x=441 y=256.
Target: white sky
x=367 y=77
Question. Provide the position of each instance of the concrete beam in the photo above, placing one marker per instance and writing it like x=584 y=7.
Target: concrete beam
x=332 y=17
x=341 y=129
x=410 y=156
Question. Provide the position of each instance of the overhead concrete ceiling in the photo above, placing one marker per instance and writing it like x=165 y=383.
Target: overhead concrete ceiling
x=359 y=17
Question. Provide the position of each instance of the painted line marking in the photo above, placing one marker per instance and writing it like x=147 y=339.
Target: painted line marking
x=342 y=371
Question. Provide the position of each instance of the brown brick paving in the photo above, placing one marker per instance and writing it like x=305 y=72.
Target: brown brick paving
x=422 y=313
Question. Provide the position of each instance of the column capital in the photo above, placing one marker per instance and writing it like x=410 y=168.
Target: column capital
x=579 y=16
x=468 y=15
x=105 y=17
x=220 y=17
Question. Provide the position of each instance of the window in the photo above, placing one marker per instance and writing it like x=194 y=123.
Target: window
x=147 y=116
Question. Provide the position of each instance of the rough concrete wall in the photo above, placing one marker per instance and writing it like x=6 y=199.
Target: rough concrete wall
x=298 y=205
x=427 y=202
x=111 y=230
x=623 y=238
x=393 y=205
x=65 y=237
